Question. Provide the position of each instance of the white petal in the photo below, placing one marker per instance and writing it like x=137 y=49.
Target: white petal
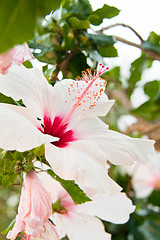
x=16 y=55
x=66 y=101
x=80 y=226
x=29 y=85
x=17 y=131
x=53 y=187
x=142 y=189
x=41 y=98
x=21 y=54
x=72 y=163
x=49 y=233
x=88 y=128
x=121 y=149
x=114 y=208
x=116 y=147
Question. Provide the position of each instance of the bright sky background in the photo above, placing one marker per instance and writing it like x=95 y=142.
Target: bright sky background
x=144 y=17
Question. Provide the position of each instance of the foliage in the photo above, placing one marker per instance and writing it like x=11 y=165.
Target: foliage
x=65 y=41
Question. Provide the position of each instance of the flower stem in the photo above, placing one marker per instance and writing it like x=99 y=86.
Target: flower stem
x=20 y=180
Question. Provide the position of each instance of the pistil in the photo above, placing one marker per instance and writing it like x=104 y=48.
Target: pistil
x=88 y=78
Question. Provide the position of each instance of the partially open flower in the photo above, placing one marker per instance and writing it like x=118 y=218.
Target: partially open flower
x=35 y=208
x=16 y=55
x=80 y=221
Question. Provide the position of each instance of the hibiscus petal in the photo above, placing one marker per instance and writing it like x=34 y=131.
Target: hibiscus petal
x=18 y=227
x=72 y=163
x=34 y=188
x=80 y=226
x=115 y=209
x=29 y=85
x=17 y=131
x=88 y=128
x=16 y=55
x=122 y=150
x=116 y=147
x=49 y=232
x=142 y=189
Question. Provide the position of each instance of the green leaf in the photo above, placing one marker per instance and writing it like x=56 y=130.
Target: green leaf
x=148 y=110
x=18 y=156
x=19 y=19
x=1 y=179
x=5 y=99
x=77 y=64
x=11 y=225
x=28 y=64
x=154 y=198
x=152 y=43
x=7 y=174
x=94 y=55
x=39 y=151
x=100 y=40
x=78 y=8
x=154 y=38
x=114 y=74
x=8 y=179
x=95 y=19
x=68 y=36
x=150 y=46
x=109 y=51
x=106 y=11
x=7 y=155
x=79 y=24
x=136 y=70
x=72 y=188
x=152 y=88
x=45 y=46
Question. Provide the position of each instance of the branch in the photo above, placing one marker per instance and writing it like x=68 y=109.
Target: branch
x=150 y=53
x=63 y=65
x=123 y=25
x=152 y=130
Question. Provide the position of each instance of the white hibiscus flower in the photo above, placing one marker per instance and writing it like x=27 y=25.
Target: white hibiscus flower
x=65 y=118
x=34 y=209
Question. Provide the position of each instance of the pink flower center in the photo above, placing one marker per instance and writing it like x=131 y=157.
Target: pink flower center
x=52 y=128
x=81 y=94
x=64 y=205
